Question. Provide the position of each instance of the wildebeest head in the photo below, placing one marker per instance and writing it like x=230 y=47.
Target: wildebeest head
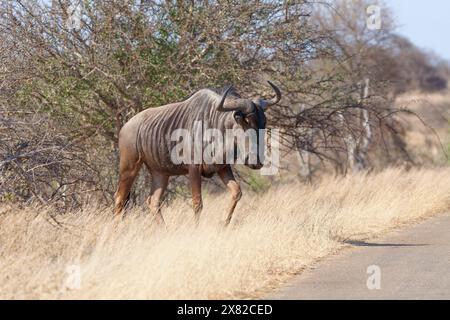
x=249 y=115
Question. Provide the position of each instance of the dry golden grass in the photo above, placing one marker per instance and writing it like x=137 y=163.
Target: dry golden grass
x=426 y=142
x=273 y=236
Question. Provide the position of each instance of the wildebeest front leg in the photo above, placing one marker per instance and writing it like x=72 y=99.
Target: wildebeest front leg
x=196 y=188
x=154 y=201
x=227 y=176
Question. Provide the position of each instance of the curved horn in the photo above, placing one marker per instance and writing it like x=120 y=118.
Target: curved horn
x=221 y=108
x=268 y=103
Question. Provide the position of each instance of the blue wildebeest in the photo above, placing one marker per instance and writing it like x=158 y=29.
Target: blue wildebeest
x=143 y=140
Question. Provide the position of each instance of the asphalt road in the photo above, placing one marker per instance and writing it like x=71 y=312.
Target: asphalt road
x=410 y=264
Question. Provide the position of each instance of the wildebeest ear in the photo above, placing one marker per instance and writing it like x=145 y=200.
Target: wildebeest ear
x=262 y=103
x=238 y=116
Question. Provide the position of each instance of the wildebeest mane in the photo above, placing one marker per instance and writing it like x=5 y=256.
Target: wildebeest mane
x=231 y=94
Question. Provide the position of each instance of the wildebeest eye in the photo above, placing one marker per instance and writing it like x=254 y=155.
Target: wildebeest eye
x=238 y=116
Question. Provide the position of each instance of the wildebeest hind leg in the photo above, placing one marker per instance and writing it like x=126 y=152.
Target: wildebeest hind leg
x=129 y=168
x=154 y=201
x=196 y=188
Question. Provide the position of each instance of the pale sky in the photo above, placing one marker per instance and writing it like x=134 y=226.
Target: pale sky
x=425 y=22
